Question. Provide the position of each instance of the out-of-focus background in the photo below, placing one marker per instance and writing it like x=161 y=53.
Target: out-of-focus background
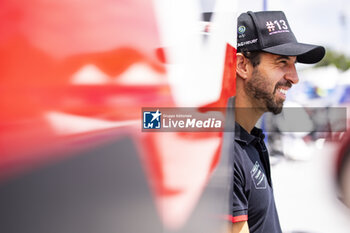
x=74 y=78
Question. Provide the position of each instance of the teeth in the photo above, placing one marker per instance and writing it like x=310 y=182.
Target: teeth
x=282 y=91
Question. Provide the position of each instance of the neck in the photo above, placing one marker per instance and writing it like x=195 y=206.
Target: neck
x=246 y=114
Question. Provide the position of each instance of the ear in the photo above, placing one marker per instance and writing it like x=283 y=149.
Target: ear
x=243 y=66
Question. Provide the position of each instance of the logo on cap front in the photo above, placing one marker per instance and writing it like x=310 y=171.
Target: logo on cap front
x=277 y=26
x=241 y=30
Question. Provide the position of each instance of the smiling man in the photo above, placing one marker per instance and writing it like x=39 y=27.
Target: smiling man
x=267 y=51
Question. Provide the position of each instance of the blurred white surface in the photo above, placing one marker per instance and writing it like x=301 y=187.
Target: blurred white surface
x=305 y=194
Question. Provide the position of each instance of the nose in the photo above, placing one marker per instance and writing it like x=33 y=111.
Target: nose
x=292 y=74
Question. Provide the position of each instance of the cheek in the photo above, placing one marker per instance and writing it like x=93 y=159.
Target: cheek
x=270 y=80
x=275 y=78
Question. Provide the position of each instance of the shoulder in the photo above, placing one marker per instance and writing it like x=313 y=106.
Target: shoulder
x=239 y=151
x=240 y=157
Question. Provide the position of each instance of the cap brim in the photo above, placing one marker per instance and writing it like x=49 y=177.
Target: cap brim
x=306 y=53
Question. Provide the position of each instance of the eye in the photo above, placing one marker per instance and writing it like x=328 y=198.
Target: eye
x=284 y=62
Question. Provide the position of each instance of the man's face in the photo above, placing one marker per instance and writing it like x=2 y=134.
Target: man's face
x=270 y=81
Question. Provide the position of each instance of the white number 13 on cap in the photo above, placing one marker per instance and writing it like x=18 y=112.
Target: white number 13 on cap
x=284 y=25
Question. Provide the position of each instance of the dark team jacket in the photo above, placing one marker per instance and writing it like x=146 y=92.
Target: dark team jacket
x=252 y=198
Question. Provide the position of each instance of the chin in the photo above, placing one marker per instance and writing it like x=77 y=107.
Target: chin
x=275 y=108
x=277 y=111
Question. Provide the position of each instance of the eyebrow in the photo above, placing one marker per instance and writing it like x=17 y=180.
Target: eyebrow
x=282 y=57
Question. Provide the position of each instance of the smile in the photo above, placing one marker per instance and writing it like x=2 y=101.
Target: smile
x=283 y=91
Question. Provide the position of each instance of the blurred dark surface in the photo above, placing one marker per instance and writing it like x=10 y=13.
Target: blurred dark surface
x=100 y=190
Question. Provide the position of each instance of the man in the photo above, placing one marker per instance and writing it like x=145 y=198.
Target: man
x=267 y=51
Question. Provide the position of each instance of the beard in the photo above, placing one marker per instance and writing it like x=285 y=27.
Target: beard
x=258 y=89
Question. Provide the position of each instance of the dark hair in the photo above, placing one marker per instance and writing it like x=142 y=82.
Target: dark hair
x=253 y=57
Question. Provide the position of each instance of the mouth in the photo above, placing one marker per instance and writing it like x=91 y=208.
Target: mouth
x=282 y=92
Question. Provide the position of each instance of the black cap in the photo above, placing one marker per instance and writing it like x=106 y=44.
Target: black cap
x=269 y=31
